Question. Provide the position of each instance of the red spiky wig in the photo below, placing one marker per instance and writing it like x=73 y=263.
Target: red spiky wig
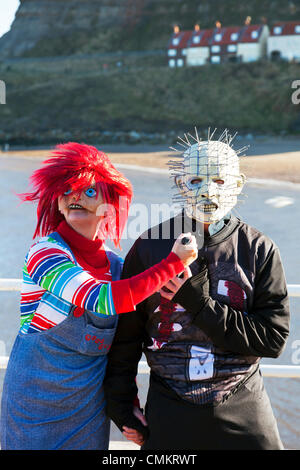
x=76 y=166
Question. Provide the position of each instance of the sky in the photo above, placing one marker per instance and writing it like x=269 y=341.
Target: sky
x=8 y=9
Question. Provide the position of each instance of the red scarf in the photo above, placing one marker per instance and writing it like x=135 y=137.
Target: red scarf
x=90 y=254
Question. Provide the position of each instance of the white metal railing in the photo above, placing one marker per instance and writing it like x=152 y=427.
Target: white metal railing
x=267 y=370
x=15 y=285
x=10 y=284
x=293 y=290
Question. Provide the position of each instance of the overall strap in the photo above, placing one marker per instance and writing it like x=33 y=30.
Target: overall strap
x=116 y=264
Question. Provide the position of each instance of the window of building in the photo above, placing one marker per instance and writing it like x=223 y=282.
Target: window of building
x=180 y=63
x=254 y=34
x=183 y=52
x=172 y=63
x=215 y=48
x=218 y=37
x=215 y=59
x=196 y=39
x=277 y=30
x=231 y=48
x=234 y=36
x=297 y=29
x=175 y=41
x=172 y=52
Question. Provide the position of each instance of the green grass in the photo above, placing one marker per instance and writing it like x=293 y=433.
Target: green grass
x=44 y=106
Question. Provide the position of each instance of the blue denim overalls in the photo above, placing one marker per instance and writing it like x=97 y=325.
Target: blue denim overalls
x=53 y=397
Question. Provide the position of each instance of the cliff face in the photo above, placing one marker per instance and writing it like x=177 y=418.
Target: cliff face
x=63 y=27
x=59 y=27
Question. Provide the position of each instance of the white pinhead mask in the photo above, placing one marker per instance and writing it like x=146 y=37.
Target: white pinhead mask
x=210 y=180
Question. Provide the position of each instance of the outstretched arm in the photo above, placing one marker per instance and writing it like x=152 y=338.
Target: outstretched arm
x=50 y=267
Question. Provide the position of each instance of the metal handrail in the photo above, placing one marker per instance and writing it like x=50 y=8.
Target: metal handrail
x=268 y=370
x=16 y=284
x=10 y=284
x=293 y=290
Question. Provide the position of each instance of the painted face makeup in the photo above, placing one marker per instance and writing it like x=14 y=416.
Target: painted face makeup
x=86 y=200
x=209 y=180
x=81 y=208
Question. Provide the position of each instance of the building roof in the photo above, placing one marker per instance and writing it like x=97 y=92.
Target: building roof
x=226 y=35
x=200 y=38
x=251 y=33
x=284 y=28
x=183 y=38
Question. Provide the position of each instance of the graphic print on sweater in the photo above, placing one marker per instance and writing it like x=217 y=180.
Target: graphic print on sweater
x=201 y=363
x=234 y=292
x=184 y=356
x=165 y=326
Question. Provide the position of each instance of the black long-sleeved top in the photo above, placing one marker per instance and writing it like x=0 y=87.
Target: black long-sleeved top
x=220 y=323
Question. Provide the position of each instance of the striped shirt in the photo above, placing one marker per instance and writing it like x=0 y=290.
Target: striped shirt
x=66 y=271
x=53 y=283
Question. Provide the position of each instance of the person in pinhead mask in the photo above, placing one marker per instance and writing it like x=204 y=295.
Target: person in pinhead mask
x=205 y=332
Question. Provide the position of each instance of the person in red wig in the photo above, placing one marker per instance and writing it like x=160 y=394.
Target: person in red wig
x=71 y=296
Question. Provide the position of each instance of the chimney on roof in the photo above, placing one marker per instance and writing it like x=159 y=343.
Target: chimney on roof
x=197 y=27
x=248 y=20
x=218 y=24
x=176 y=29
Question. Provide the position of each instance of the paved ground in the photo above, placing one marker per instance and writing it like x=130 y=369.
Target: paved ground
x=272 y=209
x=271 y=157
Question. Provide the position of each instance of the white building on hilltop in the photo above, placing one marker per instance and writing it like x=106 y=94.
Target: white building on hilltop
x=198 y=47
x=217 y=45
x=284 y=41
x=252 y=44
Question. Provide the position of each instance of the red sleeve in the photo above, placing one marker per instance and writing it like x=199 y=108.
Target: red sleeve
x=128 y=293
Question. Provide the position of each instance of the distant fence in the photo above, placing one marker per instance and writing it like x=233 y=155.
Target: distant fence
x=267 y=370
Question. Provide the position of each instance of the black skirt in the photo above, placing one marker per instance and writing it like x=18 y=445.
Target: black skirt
x=244 y=421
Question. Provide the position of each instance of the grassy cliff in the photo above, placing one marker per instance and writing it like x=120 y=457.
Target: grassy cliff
x=80 y=69
x=87 y=100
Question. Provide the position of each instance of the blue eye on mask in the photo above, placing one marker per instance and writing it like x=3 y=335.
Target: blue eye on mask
x=90 y=192
x=66 y=193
